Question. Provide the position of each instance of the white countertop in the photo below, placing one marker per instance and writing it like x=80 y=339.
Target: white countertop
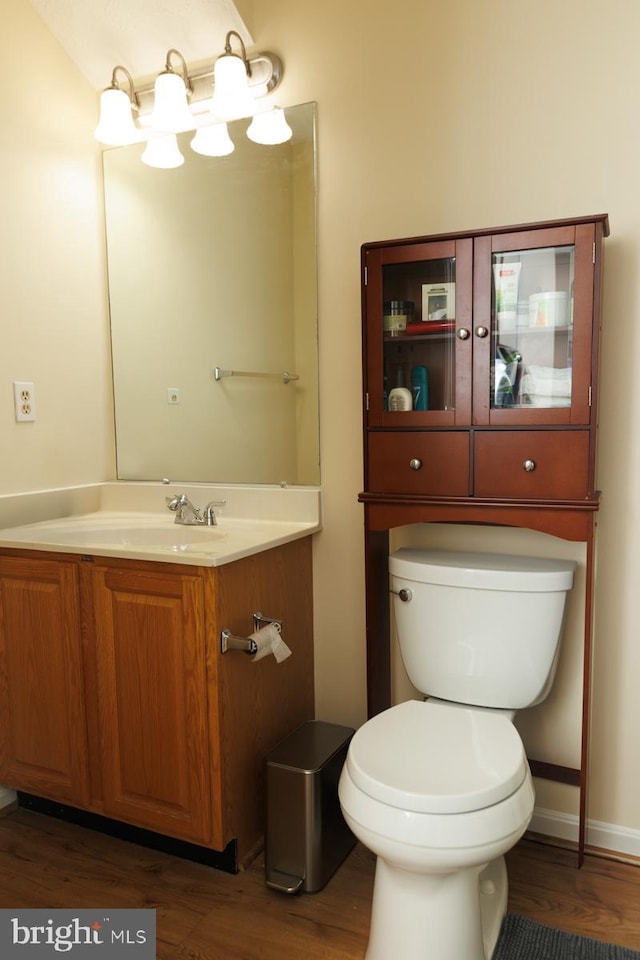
x=131 y=520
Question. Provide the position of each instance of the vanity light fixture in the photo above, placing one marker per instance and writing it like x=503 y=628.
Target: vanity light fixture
x=270 y=127
x=213 y=141
x=163 y=152
x=179 y=101
x=115 y=126
x=231 y=73
x=171 y=112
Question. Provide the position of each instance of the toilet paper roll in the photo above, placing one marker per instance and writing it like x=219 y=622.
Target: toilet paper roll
x=268 y=640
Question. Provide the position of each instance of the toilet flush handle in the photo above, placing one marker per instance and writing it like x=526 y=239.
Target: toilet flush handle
x=405 y=595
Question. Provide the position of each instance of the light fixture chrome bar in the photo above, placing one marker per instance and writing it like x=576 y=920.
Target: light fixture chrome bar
x=220 y=374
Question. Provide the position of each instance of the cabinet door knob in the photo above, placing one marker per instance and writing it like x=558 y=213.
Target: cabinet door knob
x=528 y=465
x=463 y=334
x=415 y=464
x=482 y=332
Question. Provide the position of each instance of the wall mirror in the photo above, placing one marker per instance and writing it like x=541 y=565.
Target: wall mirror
x=213 y=265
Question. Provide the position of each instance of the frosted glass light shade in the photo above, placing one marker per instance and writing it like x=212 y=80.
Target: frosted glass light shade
x=231 y=97
x=163 y=152
x=115 y=126
x=270 y=128
x=171 y=112
x=213 y=141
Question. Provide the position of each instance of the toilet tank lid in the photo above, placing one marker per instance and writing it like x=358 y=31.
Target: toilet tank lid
x=482 y=571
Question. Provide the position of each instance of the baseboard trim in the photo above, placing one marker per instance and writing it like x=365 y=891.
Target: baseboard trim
x=606 y=837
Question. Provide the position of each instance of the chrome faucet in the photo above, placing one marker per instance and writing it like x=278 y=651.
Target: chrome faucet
x=189 y=514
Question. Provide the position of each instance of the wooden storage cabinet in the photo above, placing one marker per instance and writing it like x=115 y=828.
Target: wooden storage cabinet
x=503 y=325
x=115 y=697
x=532 y=366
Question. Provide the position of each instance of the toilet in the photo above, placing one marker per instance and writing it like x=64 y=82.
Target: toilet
x=440 y=789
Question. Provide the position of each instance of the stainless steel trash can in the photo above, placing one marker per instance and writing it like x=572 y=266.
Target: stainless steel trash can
x=306 y=835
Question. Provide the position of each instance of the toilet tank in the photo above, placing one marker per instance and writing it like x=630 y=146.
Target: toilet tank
x=479 y=628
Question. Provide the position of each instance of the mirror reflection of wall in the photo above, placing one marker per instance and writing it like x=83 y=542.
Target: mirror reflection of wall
x=213 y=264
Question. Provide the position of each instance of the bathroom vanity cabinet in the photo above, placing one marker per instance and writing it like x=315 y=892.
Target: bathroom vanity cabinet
x=115 y=697
x=480 y=365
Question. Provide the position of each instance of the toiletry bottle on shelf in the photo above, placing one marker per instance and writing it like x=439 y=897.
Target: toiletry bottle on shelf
x=400 y=399
x=420 y=387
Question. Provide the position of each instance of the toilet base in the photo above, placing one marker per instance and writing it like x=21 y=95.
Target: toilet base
x=456 y=915
x=494 y=890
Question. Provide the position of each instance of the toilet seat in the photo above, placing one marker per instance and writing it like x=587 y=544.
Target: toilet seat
x=437 y=758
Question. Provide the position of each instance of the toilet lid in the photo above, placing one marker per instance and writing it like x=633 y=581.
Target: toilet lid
x=437 y=758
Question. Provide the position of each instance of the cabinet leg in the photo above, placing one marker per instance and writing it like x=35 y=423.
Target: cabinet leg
x=377 y=614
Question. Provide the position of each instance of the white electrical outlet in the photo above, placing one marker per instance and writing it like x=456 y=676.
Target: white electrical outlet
x=173 y=395
x=24 y=400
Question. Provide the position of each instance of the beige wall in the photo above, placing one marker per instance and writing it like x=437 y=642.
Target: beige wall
x=431 y=117
x=52 y=293
x=447 y=116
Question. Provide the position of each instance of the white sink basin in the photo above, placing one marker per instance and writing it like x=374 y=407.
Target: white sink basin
x=172 y=535
x=154 y=537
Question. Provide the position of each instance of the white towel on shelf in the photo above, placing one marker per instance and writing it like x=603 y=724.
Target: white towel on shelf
x=533 y=400
x=549 y=382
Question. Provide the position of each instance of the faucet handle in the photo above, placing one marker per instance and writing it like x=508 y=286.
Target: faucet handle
x=209 y=513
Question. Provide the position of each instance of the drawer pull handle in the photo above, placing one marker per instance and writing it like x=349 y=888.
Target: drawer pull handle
x=463 y=334
x=528 y=465
x=482 y=332
x=415 y=464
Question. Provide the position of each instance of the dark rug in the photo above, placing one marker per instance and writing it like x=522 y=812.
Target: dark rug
x=523 y=939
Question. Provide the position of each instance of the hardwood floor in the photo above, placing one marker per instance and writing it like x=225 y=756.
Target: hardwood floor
x=203 y=914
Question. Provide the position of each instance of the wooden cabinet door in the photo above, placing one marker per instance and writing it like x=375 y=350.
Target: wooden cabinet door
x=436 y=342
x=152 y=704
x=43 y=740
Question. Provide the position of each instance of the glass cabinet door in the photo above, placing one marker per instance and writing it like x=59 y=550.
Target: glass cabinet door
x=532 y=324
x=418 y=298
x=532 y=327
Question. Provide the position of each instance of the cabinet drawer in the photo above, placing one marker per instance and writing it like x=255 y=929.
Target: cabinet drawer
x=560 y=461
x=443 y=458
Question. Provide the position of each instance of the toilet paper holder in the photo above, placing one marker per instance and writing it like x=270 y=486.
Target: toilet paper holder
x=228 y=641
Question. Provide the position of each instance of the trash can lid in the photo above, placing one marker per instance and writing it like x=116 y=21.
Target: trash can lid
x=310 y=746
